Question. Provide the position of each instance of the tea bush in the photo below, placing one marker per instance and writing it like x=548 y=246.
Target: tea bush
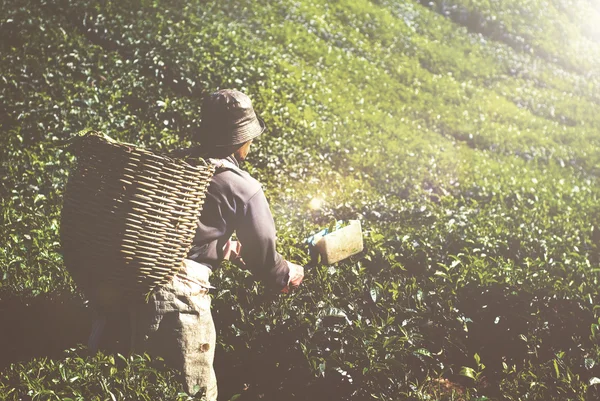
x=463 y=134
x=81 y=377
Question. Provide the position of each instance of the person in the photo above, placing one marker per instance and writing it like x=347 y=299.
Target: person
x=176 y=323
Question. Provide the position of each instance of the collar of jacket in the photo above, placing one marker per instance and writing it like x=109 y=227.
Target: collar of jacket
x=227 y=163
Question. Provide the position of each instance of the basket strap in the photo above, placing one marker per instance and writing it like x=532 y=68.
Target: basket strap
x=83 y=132
x=69 y=141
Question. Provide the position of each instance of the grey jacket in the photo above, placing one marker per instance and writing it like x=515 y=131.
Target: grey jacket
x=236 y=202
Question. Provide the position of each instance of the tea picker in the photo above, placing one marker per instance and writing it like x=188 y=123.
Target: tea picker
x=142 y=232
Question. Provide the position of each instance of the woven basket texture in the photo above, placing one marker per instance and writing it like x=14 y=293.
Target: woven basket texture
x=129 y=217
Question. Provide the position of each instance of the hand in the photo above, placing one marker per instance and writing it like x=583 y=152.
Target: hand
x=232 y=251
x=295 y=277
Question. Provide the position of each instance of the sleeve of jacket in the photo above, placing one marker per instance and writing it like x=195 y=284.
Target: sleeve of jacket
x=256 y=232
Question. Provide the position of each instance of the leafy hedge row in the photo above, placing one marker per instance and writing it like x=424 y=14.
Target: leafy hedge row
x=81 y=377
x=472 y=162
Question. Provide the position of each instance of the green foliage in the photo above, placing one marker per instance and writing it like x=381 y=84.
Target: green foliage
x=463 y=135
x=81 y=377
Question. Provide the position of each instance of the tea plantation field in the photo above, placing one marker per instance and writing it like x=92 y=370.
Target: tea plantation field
x=464 y=134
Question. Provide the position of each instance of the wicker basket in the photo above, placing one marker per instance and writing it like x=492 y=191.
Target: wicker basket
x=129 y=217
